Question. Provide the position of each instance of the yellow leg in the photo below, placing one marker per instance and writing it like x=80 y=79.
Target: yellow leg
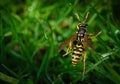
x=91 y=35
x=68 y=50
x=84 y=60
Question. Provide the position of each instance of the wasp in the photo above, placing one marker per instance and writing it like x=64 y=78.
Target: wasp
x=83 y=42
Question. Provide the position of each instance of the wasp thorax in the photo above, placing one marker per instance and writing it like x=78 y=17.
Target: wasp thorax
x=81 y=31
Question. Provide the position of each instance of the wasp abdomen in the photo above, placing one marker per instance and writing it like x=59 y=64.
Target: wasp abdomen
x=77 y=53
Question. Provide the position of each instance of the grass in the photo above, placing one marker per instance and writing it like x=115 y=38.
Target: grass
x=31 y=32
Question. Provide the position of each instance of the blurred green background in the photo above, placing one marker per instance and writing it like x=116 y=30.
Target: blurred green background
x=32 y=30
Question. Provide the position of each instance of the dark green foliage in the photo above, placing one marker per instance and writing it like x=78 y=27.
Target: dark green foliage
x=31 y=32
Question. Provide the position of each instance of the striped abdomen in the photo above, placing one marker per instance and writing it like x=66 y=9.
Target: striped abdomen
x=77 y=53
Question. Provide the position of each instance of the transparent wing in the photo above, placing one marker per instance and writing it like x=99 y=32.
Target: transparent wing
x=87 y=42
x=65 y=43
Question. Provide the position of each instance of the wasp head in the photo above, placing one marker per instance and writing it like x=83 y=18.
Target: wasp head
x=84 y=25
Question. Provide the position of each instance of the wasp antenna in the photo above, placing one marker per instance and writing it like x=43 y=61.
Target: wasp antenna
x=77 y=16
x=86 y=17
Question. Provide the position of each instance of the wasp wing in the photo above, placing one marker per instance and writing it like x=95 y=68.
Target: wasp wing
x=65 y=43
x=87 y=39
x=87 y=42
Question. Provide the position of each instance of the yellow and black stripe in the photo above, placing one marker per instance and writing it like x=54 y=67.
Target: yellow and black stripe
x=77 y=53
x=78 y=49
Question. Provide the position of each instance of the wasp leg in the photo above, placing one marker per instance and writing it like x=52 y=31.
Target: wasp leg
x=92 y=36
x=84 y=60
x=69 y=48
